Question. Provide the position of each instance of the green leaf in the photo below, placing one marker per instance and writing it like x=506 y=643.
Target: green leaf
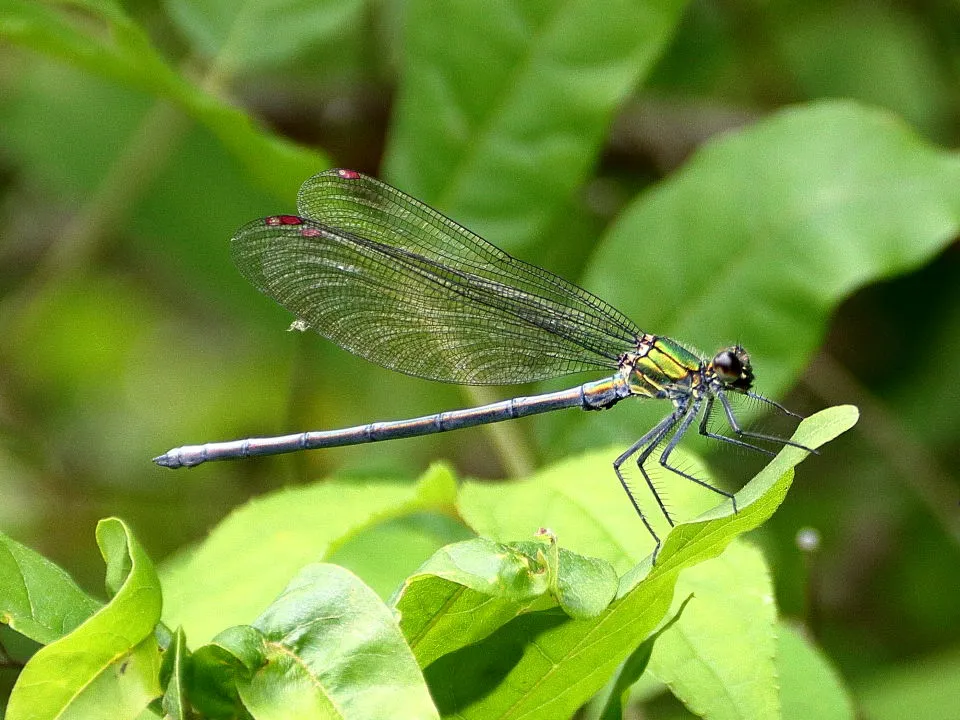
x=633 y=667
x=809 y=685
x=439 y=616
x=217 y=668
x=511 y=102
x=119 y=49
x=37 y=598
x=329 y=647
x=545 y=664
x=250 y=557
x=386 y=554
x=719 y=658
x=109 y=665
x=173 y=672
x=468 y=590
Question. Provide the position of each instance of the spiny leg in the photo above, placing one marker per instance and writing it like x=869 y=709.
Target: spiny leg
x=655 y=435
x=777 y=405
x=674 y=441
x=633 y=501
x=645 y=454
x=705 y=431
x=735 y=425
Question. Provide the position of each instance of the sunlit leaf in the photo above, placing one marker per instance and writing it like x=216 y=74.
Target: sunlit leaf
x=251 y=556
x=329 y=647
x=809 y=685
x=173 y=672
x=469 y=590
x=545 y=664
x=634 y=667
x=37 y=598
x=109 y=665
x=718 y=658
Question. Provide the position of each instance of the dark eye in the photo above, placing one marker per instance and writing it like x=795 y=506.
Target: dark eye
x=728 y=365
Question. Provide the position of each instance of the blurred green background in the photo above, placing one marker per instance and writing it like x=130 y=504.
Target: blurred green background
x=135 y=138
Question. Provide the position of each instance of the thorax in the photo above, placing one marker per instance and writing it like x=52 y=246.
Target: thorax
x=662 y=368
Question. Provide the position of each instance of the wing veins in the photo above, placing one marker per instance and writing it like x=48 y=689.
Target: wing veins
x=536 y=336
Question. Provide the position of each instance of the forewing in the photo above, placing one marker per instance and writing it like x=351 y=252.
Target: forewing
x=371 y=209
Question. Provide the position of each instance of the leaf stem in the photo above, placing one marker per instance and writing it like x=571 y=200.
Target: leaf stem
x=514 y=451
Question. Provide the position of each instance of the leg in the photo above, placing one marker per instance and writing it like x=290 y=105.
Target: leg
x=645 y=454
x=674 y=441
x=705 y=431
x=654 y=435
x=735 y=426
x=777 y=405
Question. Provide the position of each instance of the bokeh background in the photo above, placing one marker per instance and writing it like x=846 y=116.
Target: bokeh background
x=125 y=329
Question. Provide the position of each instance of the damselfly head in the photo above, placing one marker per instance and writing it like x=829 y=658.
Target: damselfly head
x=732 y=366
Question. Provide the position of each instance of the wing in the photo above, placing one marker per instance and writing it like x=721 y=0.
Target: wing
x=388 y=278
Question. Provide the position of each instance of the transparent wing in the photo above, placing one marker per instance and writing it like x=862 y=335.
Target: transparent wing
x=395 y=282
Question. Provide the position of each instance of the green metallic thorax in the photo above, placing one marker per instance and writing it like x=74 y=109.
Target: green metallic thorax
x=660 y=366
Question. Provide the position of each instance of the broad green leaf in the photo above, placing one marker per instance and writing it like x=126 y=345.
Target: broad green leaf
x=762 y=234
x=173 y=672
x=249 y=35
x=384 y=555
x=719 y=657
x=545 y=664
x=633 y=667
x=809 y=685
x=108 y=666
x=511 y=102
x=127 y=56
x=37 y=598
x=468 y=590
x=251 y=556
x=331 y=648
x=439 y=616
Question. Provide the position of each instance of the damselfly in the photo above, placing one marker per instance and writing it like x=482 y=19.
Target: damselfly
x=394 y=281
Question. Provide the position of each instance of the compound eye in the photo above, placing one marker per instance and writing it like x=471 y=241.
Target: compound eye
x=728 y=365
